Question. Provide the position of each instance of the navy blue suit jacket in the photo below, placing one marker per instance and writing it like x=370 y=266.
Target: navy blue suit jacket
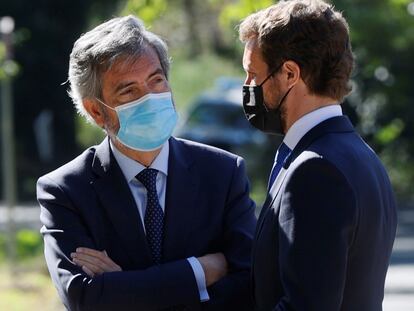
x=87 y=202
x=325 y=233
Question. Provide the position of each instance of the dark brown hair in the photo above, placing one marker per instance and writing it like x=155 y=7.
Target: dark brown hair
x=311 y=33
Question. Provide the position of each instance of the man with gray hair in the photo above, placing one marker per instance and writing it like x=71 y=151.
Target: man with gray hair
x=143 y=221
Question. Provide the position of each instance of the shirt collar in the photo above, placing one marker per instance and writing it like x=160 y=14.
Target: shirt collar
x=131 y=168
x=309 y=121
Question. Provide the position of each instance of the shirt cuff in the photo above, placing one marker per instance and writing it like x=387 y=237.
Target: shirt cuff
x=200 y=278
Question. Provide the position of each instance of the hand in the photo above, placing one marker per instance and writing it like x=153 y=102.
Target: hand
x=214 y=266
x=94 y=262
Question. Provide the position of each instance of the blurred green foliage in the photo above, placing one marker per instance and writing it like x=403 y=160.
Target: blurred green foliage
x=43 y=114
x=203 y=40
x=382 y=34
x=8 y=68
x=390 y=132
x=3 y=245
x=189 y=77
x=147 y=10
x=87 y=134
x=233 y=12
x=29 y=244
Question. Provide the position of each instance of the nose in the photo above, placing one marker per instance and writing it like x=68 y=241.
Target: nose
x=250 y=79
x=146 y=89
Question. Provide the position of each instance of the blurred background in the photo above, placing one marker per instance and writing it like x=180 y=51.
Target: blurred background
x=40 y=130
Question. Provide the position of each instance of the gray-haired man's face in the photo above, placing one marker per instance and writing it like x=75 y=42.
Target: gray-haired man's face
x=127 y=81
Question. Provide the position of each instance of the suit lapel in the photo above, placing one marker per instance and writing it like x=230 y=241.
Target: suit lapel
x=271 y=196
x=180 y=202
x=332 y=125
x=117 y=200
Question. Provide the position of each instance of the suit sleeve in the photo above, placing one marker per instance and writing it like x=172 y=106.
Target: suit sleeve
x=317 y=224
x=63 y=230
x=233 y=291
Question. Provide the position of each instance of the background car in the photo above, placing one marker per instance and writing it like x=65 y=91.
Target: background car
x=216 y=118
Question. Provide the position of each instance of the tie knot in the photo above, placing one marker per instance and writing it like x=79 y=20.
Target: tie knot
x=282 y=153
x=148 y=177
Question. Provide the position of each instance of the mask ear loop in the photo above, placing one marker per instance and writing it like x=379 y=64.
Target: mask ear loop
x=100 y=101
x=104 y=104
x=271 y=74
x=283 y=98
x=267 y=78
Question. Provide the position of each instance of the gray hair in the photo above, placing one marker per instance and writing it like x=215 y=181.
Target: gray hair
x=97 y=50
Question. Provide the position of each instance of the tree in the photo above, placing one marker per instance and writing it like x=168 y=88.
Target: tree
x=382 y=33
x=44 y=116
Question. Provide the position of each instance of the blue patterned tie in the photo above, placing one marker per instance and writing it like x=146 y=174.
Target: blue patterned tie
x=282 y=153
x=154 y=216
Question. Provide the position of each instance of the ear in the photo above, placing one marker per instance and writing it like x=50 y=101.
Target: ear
x=291 y=72
x=95 y=111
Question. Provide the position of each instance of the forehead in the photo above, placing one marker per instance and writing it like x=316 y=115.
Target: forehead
x=252 y=57
x=136 y=68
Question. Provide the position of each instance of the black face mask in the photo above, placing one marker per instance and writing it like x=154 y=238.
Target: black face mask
x=265 y=119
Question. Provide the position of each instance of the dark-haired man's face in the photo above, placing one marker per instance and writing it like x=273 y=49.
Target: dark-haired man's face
x=257 y=71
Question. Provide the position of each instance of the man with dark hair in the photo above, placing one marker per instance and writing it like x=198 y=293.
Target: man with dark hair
x=326 y=230
x=144 y=221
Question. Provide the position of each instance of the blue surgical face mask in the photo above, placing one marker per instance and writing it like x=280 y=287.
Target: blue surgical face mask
x=147 y=123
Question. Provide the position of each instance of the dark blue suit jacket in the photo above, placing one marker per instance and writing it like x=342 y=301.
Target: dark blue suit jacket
x=87 y=202
x=325 y=233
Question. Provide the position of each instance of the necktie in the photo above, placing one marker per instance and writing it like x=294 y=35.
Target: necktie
x=154 y=216
x=282 y=153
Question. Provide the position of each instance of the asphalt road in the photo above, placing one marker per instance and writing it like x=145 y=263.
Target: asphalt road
x=399 y=289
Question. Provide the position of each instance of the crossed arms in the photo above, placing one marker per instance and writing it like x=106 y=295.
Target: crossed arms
x=102 y=283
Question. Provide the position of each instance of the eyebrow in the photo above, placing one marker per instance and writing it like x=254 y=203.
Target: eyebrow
x=156 y=72
x=124 y=85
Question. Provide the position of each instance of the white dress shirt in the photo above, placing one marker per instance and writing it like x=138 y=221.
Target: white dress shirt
x=309 y=121
x=130 y=168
